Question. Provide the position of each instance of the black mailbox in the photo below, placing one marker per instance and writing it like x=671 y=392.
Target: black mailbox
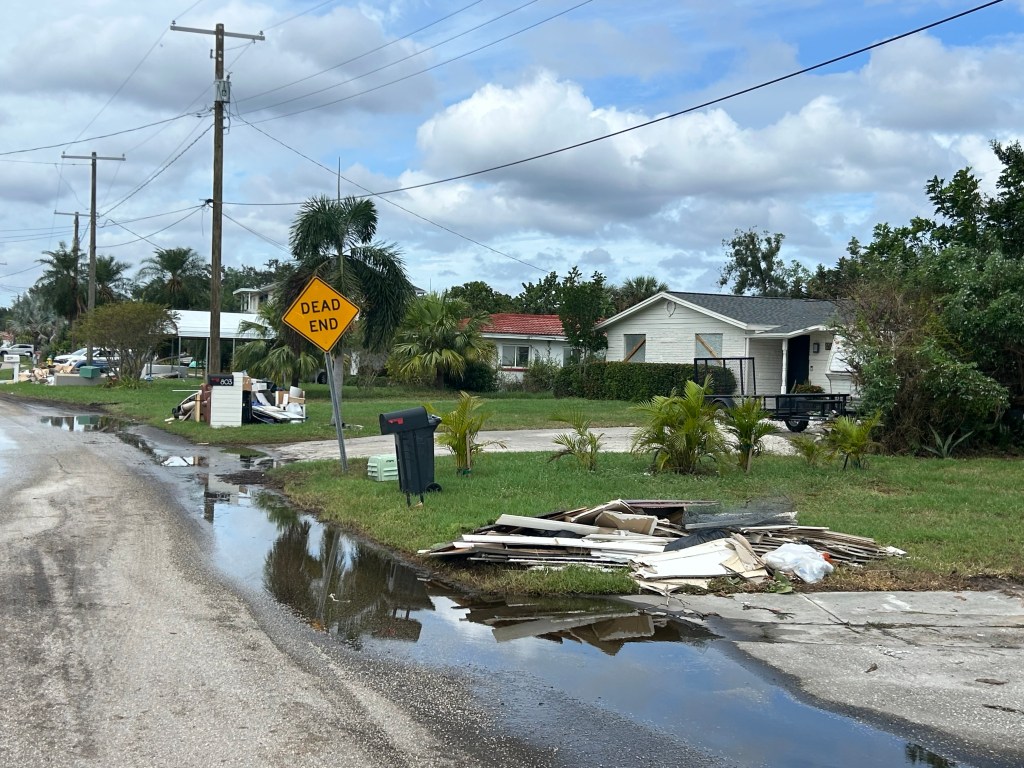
x=413 y=429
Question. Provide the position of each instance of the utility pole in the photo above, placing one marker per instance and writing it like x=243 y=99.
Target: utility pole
x=222 y=96
x=92 y=237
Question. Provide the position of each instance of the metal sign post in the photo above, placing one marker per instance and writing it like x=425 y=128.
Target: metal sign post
x=322 y=315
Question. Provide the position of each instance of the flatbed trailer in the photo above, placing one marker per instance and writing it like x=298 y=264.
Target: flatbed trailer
x=796 y=410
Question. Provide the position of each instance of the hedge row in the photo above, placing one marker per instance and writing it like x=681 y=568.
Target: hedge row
x=632 y=381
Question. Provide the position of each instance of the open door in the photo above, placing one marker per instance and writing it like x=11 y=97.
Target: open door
x=798 y=361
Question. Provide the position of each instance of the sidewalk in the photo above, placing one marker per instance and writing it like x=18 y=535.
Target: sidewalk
x=949 y=662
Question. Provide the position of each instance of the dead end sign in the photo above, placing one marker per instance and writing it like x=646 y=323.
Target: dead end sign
x=321 y=314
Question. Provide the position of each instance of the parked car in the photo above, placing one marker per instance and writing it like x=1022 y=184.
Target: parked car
x=70 y=358
x=25 y=350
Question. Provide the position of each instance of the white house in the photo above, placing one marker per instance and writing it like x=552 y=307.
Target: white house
x=520 y=339
x=789 y=339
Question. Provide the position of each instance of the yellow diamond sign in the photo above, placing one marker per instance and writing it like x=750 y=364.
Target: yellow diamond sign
x=321 y=314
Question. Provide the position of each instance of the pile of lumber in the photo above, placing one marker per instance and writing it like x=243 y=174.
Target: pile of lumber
x=665 y=544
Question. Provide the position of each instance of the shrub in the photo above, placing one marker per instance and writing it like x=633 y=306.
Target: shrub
x=540 y=375
x=749 y=423
x=814 y=450
x=680 y=430
x=477 y=376
x=852 y=439
x=808 y=388
x=581 y=443
x=634 y=381
x=459 y=428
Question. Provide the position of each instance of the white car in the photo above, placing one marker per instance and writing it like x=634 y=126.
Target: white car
x=70 y=358
x=24 y=350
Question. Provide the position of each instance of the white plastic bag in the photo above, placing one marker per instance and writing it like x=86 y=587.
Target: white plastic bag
x=799 y=560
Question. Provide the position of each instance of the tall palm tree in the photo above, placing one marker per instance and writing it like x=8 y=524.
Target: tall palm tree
x=32 y=315
x=333 y=239
x=62 y=282
x=175 y=277
x=439 y=336
x=111 y=282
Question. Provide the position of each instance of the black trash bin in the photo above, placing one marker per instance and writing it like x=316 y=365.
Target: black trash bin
x=414 y=430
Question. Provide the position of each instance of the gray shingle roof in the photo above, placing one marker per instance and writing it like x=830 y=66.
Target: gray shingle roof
x=783 y=315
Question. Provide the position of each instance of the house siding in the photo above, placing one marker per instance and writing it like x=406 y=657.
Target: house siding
x=767 y=354
x=670 y=339
x=540 y=349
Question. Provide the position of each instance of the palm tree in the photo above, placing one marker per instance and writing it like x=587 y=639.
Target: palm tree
x=111 y=283
x=439 y=336
x=636 y=289
x=333 y=239
x=175 y=277
x=62 y=282
x=32 y=315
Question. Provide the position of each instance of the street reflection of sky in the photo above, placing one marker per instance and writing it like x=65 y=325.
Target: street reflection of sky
x=690 y=688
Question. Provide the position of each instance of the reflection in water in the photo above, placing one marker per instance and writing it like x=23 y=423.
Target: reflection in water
x=649 y=668
x=91 y=422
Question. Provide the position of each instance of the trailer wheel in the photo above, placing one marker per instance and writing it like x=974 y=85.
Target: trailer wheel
x=796 y=425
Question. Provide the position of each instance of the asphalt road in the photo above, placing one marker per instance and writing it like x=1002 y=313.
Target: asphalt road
x=120 y=645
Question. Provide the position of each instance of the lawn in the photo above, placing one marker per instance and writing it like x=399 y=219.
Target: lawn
x=151 y=403
x=958 y=519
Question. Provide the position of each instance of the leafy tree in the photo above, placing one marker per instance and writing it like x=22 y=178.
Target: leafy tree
x=334 y=239
x=62 y=283
x=440 y=336
x=175 y=277
x=540 y=298
x=132 y=329
x=755 y=268
x=581 y=305
x=480 y=297
x=634 y=290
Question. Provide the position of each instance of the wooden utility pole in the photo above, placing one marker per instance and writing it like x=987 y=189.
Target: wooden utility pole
x=92 y=237
x=222 y=96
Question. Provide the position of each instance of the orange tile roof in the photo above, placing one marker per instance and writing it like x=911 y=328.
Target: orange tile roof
x=524 y=325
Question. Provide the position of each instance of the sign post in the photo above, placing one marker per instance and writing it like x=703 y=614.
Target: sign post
x=322 y=315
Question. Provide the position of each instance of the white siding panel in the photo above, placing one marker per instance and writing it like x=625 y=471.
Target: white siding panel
x=670 y=338
x=818 y=368
x=767 y=354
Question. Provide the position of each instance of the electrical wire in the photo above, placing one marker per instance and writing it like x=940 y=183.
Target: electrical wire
x=251 y=231
x=362 y=55
x=95 y=138
x=139 y=237
x=316 y=7
x=337 y=174
x=688 y=110
x=414 y=74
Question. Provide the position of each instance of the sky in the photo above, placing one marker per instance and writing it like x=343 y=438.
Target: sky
x=401 y=94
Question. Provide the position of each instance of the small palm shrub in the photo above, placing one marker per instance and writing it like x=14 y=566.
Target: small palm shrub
x=680 y=431
x=581 y=443
x=748 y=422
x=814 y=450
x=852 y=438
x=458 y=430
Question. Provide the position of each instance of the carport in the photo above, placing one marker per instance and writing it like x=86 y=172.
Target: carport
x=195 y=324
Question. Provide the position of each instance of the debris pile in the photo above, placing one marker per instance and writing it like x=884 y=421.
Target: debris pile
x=666 y=544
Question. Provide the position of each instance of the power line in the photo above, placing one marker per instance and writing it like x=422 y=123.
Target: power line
x=95 y=138
x=416 y=74
x=337 y=174
x=263 y=237
x=139 y=237
x=360 y=56
x=688 y=110
x=301 y=13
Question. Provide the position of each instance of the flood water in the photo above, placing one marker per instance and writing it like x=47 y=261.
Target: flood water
x=647 y=668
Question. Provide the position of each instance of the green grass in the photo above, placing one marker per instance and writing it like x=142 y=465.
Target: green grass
x=151 y=403
x=956 y=518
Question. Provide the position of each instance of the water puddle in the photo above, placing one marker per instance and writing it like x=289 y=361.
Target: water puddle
x=91 y=422
x=648 y=668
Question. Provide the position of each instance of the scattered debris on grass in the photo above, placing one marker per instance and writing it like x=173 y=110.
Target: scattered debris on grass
x=666 y=544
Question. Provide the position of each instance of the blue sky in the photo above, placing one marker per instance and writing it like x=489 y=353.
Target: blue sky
x=411 y=93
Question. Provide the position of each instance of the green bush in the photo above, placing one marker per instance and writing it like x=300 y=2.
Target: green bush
x=808 y=388
x=633 y=381
x=540 y=374
x=477 y=376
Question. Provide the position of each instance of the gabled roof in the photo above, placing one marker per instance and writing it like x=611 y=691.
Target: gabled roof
x=760 y=314
x=511 y=324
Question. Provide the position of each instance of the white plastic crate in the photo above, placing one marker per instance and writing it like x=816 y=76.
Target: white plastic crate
x=383 y=467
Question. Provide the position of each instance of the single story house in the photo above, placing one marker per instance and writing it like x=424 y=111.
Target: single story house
x=789 y=339
x=520 y=339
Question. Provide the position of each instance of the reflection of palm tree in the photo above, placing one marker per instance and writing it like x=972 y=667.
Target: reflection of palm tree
x=289 y=569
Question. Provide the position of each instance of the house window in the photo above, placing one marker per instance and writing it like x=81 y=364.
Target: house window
x=514 y=357
x=634 y=347
x=707 y=345
x=570 y=356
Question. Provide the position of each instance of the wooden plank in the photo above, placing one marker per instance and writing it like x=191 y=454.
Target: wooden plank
x=544 y=524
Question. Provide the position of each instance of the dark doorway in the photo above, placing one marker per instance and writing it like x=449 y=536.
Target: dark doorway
x=799 y=356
